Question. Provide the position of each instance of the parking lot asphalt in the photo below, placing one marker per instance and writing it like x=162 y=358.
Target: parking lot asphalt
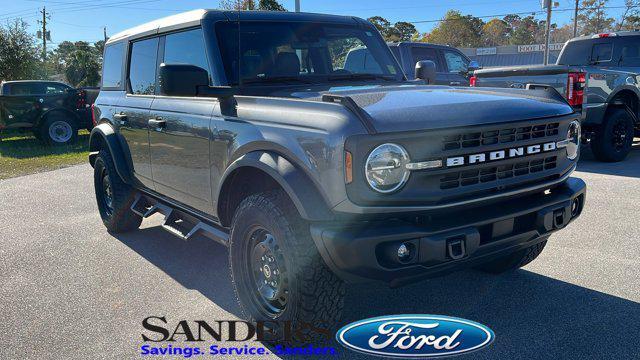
x=70 y=290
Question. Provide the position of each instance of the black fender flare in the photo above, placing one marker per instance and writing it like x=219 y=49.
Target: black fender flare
x=302 y=191
x=628 y=89
x=68 y=112
x=103 y=135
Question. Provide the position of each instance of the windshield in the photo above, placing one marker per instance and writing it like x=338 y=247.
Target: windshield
x=303 y=52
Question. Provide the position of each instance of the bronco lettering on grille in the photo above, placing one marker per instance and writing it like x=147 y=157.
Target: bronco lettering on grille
x=500 y=154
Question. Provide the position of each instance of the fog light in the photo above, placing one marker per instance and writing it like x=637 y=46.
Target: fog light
x=404 y=253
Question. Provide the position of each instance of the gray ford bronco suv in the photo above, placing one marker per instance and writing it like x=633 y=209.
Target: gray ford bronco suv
x=247 y=128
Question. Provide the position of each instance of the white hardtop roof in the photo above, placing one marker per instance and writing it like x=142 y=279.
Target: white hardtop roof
x=175 y=21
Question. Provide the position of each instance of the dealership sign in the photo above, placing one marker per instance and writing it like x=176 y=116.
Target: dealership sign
x=538 y=47
x=487 y=51
x=414 y=336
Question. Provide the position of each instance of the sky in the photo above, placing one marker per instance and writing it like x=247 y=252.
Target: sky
x=84 y=20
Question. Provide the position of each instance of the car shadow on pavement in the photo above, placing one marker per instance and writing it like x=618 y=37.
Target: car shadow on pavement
x=533 y=316
x=198 y=264
x=629 y=167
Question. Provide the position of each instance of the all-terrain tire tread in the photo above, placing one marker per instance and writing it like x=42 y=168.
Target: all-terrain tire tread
x=321 y=291
x=123 y=219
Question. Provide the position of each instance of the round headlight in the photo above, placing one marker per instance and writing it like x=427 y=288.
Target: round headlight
x=573 y=140
x=385 y=168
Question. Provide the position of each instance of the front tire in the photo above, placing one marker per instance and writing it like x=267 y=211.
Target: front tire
x=613 y=140
x=114 y=196
x=58 y=129
x=277 y=271
x=513 y=261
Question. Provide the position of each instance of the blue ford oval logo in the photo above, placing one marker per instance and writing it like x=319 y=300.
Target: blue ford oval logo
x=414 y=336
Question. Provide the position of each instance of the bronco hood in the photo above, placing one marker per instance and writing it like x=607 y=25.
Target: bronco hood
x=416 y=107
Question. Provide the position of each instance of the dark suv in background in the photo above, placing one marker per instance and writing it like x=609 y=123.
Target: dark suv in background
x=52 y=110
x=452 y=66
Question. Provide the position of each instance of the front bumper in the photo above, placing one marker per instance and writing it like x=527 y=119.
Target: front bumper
x=439 y=244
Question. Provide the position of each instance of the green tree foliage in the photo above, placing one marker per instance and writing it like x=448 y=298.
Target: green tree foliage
x=267 y=5
x=270 y=5
x=457 y=30
x=19 y=54
x=593 y=17
x=495 y=32
x=630 y=19
x=80 y=62
x=400 y=31
x=525 y=30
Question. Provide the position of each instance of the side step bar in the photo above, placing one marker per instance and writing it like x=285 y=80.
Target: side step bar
x=178 y=222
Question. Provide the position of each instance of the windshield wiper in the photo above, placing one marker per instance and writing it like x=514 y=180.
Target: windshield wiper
x=361 y=77
x=276 y=79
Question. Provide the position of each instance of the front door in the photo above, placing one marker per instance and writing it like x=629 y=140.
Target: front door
x=420 y=53
x=457 y=67
x=179 y=131
x=133 y=115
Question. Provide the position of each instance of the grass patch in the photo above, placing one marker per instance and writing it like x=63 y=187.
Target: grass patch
x=23 y=154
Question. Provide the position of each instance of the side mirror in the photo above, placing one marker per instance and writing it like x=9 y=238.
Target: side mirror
x=182 y=80
x=473 y=66
x=426 y=70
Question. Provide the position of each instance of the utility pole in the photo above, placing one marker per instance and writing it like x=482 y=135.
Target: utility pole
x=104 y=29
x=547 y=36
x=575 y=20
x=297 y=5
x=45 y=35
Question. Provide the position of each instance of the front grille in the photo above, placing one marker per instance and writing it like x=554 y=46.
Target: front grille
x=501 y=136
x=495 y=173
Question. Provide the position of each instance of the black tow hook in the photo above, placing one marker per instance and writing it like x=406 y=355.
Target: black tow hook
x=559 y=218
x=456 y=249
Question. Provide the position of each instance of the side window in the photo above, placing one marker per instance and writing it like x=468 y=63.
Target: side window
x=112 y=66
x=630 y=53
x=24 y=89
x=456 y=63
x=143 y=66
x=423 y=53
x=53 y=89
x=186 y=48
x=601 y=52
x=359 y=60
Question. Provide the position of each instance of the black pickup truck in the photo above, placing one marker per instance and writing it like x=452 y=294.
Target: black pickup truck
x=52 y=110
x=598 y=75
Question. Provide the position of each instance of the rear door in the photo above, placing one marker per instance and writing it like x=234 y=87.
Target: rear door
x=22 y=103
x=180 y=129
x=419 y=53
x=133 y=113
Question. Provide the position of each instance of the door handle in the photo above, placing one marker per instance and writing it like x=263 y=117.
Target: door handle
x=455 y=83
x=158 y=124
x=121 y=118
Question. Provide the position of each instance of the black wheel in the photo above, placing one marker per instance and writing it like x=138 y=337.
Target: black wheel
x=513 y=261
x=114 y=196
x=613 y=140
x=58 y=129
x=276 y=270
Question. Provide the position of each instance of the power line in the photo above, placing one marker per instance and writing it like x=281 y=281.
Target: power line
x=535 y=12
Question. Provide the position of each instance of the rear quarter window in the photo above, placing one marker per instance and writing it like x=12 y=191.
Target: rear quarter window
x=601 y=52
x=112 y=66
x=576 y=53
